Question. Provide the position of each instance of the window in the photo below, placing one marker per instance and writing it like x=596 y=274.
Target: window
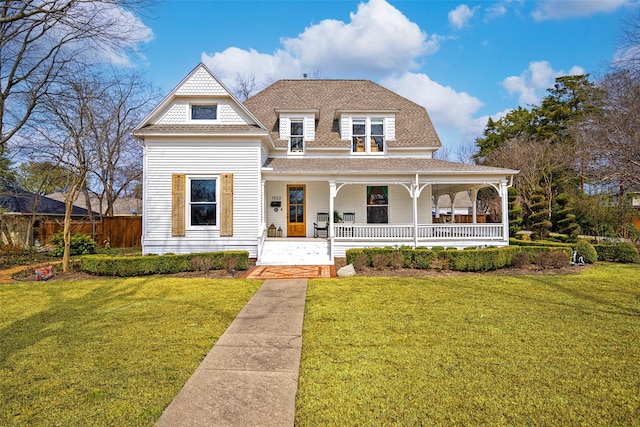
x=203 y=202
x=204 y=112
x=377 y=204
x=359 y=135
x=371 y=130
x=296 y=137
x=377 y=135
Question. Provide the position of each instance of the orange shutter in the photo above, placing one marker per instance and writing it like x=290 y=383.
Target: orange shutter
x=178 y=183
x=226 y=204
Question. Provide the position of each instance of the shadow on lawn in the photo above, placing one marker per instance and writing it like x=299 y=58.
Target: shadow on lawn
x=64 y=315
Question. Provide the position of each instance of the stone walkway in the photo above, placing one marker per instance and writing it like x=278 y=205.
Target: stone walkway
x=290 y=272
x=250 y=376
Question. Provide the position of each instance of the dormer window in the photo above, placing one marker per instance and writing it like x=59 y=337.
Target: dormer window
x=207 y=112
x=367 y=135
x=296 y=136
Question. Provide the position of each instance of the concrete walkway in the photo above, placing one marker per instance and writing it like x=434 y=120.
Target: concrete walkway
x=250 y=376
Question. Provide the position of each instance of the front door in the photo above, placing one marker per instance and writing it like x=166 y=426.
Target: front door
x=296 y=225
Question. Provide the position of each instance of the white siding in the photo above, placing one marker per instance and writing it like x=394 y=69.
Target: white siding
x=390 y=128
x=201 y=83
x=284 y=127
x=309 y=129
x=205 y=158
x=345 y=127
x=179 y=113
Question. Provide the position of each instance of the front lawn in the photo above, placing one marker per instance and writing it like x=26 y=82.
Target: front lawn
x=107 y=351
x=473 y=350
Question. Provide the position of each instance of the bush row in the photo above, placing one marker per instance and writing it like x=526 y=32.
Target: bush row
x=125 y=266
x=617 y=252
x=465 y=260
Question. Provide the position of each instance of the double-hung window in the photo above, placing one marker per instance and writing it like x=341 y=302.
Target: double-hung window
x=377 y=204
x=203 y=202
x=367 y=135
x=296 y=136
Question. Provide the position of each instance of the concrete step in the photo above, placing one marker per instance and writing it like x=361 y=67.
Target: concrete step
x=290 y=251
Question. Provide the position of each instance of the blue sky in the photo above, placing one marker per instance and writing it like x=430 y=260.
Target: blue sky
x=463 y=61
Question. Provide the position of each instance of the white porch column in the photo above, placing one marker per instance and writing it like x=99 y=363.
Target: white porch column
x=414 y=196
x=452 y=196
x=504 y=194
x=263 y=210
x=474 y=203
x=332 y=196
x=436 y=197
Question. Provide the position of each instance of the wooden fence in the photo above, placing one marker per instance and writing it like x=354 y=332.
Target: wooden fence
x=118 y=231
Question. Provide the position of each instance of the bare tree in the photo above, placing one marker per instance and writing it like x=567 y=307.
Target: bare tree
x=125 y=99
x=39 y=39
x=63 y=135
x=244 y=86
x=443 y=153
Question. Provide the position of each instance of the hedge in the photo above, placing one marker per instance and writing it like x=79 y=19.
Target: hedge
x=617 y=252
x=516 y=242
x=467 y=260
x=105 y=265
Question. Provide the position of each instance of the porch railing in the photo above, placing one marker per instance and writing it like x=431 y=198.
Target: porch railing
x=426 y=232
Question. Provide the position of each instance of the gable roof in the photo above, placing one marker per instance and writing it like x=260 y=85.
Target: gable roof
x=200 y=82
x=18 y=201
x=330 y=97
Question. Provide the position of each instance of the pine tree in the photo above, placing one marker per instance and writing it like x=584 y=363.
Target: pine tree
x=539 y=217
x=515 y=213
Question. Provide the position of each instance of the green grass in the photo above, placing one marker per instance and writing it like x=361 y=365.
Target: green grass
x=107 y=352
x=473 y=350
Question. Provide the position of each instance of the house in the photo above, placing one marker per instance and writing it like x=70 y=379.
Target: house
x=21 y=213
x=294 y=160
x=122 y=206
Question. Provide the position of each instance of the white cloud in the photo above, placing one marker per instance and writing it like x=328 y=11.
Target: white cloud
x=378 y=40
x=554 y=9
x=460 y=16
x=448 y=109
x=498 y=9
x=535 y=80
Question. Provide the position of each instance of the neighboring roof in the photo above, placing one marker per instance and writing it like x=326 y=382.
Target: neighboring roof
x=413 y=127
x=369 y=166
x=17 y=200
x=121 y=206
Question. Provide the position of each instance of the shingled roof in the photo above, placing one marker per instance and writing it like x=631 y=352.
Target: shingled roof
x=17 y=200
x=413 y=125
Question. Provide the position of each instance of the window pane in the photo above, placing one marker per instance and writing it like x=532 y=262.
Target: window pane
x=377 y=127
x=377 y=195
x=377 y=214
x=297 y=128
x=204 y=112
x=203 y=190
x=359 y=128
x=203 y=214
x=297 y=143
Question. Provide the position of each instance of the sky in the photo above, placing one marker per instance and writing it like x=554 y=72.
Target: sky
x=464 y=61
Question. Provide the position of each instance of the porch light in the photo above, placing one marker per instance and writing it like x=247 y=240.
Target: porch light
x=279 y=231
x=271 y=232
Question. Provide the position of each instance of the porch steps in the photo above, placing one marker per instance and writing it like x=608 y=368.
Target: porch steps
x=292 y=251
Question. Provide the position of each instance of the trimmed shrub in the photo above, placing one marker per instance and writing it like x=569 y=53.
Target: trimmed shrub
x=396 y=260
x=586 y=251
x=618 y=252
x=422 y=258
x=552 y=259
x=481 y=259
x=379 y=261
x=79 y=244
x=521 y=259
x=162 y=264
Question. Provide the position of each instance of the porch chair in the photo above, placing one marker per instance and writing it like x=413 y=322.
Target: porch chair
x=348 y=218
x=321 y=226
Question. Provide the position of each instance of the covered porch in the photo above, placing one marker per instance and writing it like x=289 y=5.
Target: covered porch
x=383 y=209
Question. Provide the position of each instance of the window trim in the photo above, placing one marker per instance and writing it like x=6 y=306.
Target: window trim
x=205 y=104
x=188 y=202
x=291 y=122
x=367 y=136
